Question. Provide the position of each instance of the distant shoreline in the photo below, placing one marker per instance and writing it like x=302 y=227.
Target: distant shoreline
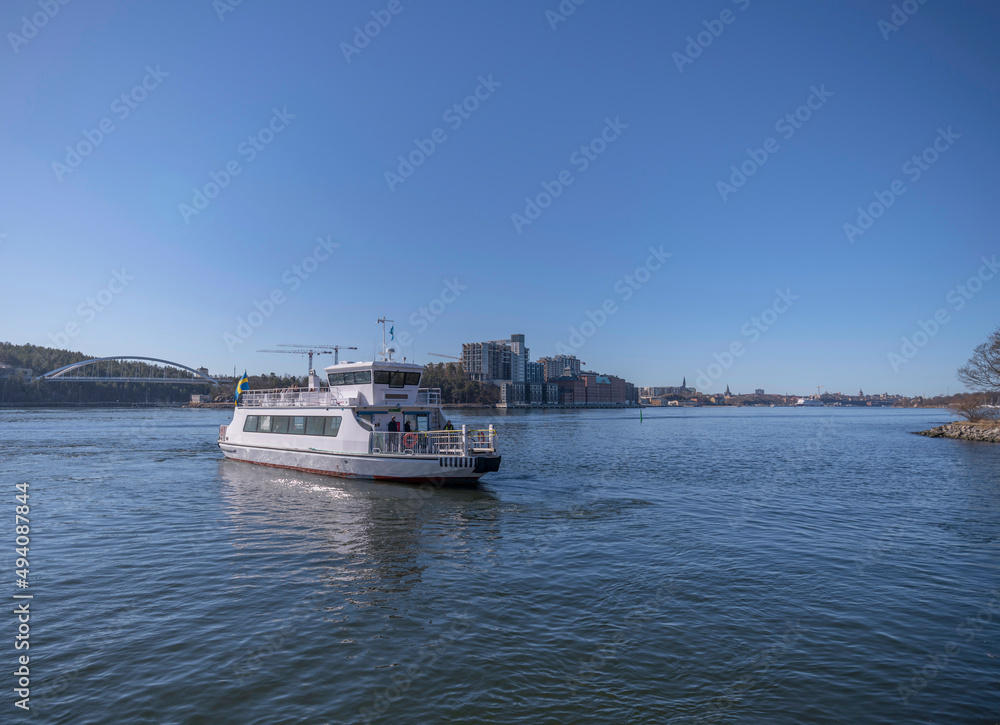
x=91 y=405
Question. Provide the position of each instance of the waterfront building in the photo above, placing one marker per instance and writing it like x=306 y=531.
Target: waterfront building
x=519 y=357
x=486 y=362
x=656 y=392
x=515 y=394
x=549 y=381
x=497 y=361
x=590 y=388
x=560 y=365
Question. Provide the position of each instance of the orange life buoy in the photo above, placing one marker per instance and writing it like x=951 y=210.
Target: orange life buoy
x=409 y=440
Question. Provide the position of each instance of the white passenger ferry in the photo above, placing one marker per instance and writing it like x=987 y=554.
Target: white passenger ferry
x=343 y=428
x=810 y=403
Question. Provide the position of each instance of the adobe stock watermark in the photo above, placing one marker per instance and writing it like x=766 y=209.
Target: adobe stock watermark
x=913 y=169
x=122 y=107
x=631 y=628
x=957 y=298
x=222 y=7
x=824 y=434
x=48 y=9
x=562 y=13
x=787 y=125
x=301 y=611
x=432 y=311
x=90 y=307
x=249 y=148
x=937 y=663
x=403 y=679
x=697 y=44
x=291 y=279
x=624 y=288
x=364 y=35
x=751 y=330
x=882 y=546
x=900 y=16
x=582 y=158
x=454 y=116
x=759 y=665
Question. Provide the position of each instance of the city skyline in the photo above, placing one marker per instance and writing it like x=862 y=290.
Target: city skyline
x=770 y=196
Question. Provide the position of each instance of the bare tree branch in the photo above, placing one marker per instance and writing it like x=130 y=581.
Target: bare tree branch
x=982 y=371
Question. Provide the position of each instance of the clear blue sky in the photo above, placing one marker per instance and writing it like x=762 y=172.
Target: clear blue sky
x=672 y=131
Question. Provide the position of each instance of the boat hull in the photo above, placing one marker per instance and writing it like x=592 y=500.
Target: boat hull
x=441 y=471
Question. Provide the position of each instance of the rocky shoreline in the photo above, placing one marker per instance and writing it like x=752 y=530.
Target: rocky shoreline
x=963 y=430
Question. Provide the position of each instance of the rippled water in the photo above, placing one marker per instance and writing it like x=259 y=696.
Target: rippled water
x=767 y=565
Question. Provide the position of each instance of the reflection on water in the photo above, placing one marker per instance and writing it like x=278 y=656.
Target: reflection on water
x=369 y=535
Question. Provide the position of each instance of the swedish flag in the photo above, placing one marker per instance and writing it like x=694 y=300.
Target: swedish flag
x=241 y=386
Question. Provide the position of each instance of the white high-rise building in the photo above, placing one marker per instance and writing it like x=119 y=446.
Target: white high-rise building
x=497 y=361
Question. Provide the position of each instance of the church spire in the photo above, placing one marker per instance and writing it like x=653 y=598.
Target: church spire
x=728 y=394
x=685 y=383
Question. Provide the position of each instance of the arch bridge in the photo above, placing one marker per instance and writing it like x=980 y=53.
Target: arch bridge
x=128 y=369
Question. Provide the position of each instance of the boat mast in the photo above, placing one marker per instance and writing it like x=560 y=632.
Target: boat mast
x=385 y=350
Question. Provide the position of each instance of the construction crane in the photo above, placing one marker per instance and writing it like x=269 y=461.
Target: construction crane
x=437 y=354
x=311 y=350
x=324 y=350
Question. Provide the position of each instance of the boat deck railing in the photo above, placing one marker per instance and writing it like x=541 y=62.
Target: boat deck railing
x=297 y=398
x=292 y=398
x=463 y=442
x=429 y=396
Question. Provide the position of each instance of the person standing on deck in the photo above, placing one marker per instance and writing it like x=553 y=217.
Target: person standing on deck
x=393 y=439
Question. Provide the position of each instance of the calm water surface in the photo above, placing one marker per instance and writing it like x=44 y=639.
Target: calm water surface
x=746 y=566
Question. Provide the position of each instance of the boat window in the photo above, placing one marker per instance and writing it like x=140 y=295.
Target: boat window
x=382 y=377
x=336 y=378
x=363 y=376
x=314 y=425
x=413 y=378
x=332 y=426
x=397 y=380
x=349 y=378
x=417 y=421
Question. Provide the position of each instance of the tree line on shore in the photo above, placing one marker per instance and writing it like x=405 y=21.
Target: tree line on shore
x=15 y=389
x=981 y=373
x=455 y=388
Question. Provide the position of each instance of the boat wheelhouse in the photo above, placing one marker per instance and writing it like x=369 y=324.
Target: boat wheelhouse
x=343 y=426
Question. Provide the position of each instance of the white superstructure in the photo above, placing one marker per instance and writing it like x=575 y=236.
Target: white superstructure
x=809 y=403
x=342 y=428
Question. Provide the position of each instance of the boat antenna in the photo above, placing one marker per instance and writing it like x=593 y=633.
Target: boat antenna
x=387 y=351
